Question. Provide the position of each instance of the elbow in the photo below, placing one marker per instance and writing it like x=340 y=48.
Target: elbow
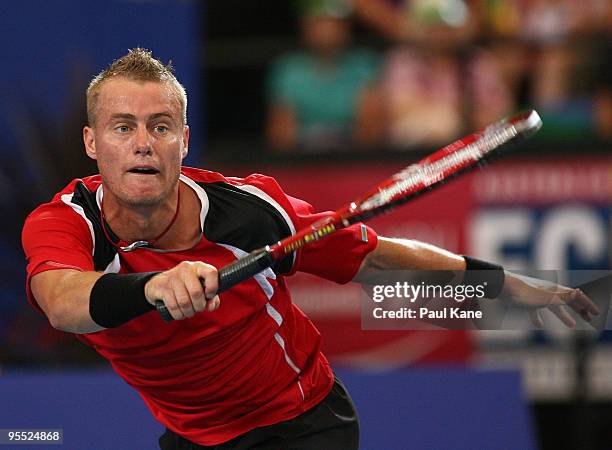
x=60 y=314
x=64 y=298
x=65 y=320
x=52 y=308
x=56 y=322
x=58 y=318
x=62 y=321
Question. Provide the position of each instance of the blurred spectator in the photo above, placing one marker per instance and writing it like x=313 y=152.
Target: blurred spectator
x=434 y=22
x=555 y=92
x=421 y=95
x=433 y=96
x=544 y=22
x=552 y=21
x=435 y=84
x=492 y=88
x=501 y=18
x=603 y=86
x=323 y=97
x=603 y=112
x=549 y=26
x=554 y=46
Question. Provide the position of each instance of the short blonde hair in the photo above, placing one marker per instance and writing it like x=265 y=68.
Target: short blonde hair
x=138 y=65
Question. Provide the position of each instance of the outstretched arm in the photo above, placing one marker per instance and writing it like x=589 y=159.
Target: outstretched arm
x=63 y=296
x=405 y=254
x=86 y=302
x=535 y=294
x=530 y=293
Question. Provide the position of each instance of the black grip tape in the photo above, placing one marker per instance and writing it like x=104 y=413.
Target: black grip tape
x=232 y=274
x=244 y=268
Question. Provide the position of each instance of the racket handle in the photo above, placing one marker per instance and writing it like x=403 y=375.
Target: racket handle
x=232 y=274
x=244 y=268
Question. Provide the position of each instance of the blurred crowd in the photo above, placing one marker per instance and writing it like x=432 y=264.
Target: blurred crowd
x=445 y=67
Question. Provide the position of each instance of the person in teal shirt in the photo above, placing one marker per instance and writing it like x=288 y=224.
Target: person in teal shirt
x=325 y=96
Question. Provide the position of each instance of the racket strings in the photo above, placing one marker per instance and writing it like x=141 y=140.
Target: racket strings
x=416 y=175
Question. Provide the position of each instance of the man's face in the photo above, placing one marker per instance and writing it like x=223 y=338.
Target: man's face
x=138 y=140
x=325 y=35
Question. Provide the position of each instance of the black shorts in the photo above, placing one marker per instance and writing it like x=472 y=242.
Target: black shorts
x=332 y=424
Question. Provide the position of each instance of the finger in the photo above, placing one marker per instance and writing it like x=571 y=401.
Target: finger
x=195 y=291
x=536 y=318
x=582 y=304
x=582 y=312
x=210 y=279
x=586 y=316
x=182 y=297
x=580 y=298
x=213 y=303
x=171 y=304
x=563 y=315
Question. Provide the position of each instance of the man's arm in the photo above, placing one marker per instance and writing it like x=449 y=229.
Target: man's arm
x=65 y=295
x=403 y=254
x=281 y=127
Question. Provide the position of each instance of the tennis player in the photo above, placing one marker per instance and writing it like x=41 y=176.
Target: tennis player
x=245 y=374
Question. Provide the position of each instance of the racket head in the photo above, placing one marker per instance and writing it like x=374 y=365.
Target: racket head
x=443 y=165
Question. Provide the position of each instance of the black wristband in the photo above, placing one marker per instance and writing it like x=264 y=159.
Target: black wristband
x=118 y=298
x=479 y=273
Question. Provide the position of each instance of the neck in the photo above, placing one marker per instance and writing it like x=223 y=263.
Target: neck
x=132 y=223
x=168 y=225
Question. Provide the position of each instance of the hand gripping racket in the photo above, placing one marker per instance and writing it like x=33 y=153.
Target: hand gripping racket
x=462 y=155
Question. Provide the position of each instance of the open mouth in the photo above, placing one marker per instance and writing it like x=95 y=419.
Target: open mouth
x=144 y=171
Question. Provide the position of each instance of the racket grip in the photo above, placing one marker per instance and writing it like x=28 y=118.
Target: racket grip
x=232 y=274
x=244 y=268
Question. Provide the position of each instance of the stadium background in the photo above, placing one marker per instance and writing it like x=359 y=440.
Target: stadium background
x=547 y=207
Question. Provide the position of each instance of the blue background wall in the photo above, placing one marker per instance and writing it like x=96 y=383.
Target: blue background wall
x=424 y=409
x=50 y=46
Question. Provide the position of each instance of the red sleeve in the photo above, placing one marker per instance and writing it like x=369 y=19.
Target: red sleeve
x=55 y=237
x=336 y=257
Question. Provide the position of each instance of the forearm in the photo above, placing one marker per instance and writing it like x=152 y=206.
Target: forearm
x=281 y=129
x=386 y=18
x=399 y=254
x=405 y=254
x=64 y=296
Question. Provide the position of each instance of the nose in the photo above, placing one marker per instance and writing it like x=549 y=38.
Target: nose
x=143 y=141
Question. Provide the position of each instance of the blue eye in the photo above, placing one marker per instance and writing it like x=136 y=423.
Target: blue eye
x=122 y=128
x=161 y=128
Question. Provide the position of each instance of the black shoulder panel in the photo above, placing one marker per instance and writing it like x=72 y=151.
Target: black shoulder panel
x=243 y=220
x=104 y=251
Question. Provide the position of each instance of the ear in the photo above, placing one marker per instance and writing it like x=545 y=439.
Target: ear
x=185 y=142
x=90 y=142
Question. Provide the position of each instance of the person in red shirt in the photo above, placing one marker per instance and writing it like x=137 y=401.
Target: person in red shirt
x=236 y=372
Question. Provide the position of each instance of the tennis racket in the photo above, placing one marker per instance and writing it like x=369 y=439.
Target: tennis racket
x=441 y=166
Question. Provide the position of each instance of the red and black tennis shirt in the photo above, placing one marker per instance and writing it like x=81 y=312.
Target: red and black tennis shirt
x=255 y=361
